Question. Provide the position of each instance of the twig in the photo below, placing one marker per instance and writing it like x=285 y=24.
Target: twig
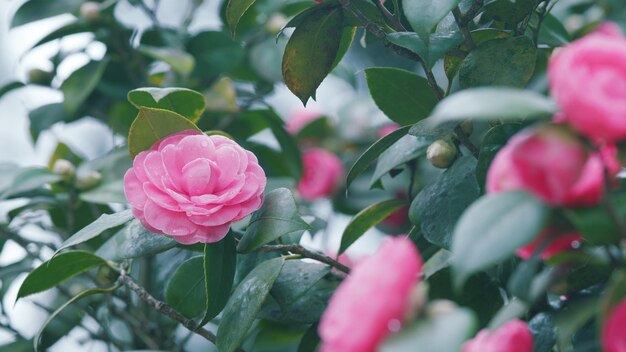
x=458 y=130
x=165 y=309
x=394 y=21
x=462 y=23
x=298 y=249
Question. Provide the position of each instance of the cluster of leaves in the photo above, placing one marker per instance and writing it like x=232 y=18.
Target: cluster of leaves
x=252 y=290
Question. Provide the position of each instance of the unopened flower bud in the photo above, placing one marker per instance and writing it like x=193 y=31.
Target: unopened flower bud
x=276 y=22
x=440 y=306
x=441 y=154
x=90 y=180
x=64 y=168
x=90 y=11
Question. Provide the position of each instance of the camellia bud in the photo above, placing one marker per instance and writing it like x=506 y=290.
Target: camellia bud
x=64 y=168
x=441 y=154
x=90 y=11
x=90 y=180
x=276 y=22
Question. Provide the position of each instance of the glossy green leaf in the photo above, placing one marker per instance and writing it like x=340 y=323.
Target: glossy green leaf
x=506 y=62
x=509 y=11
x=424 y=15
x=492 y=104
x=134 y=241
x=79 y=85
x=183 y=101
x=234 y=11
x=442 y=332
x=244 y=304
x=404 y=150
x=595 y=225
x=493 y=141
x=27 y=179
x=220 y=262
x=552 y=32
x=572 y=319
x=440 y=44
x=425 y=128
x=543 y=328
x=103 y=223
x=10 y=87
x=311 y=52
x=45 y=116
x=179 y=61
x=151 y=125
x=68 y=29
x=34 y=10
x=81 y=295
x=366 y=219
x=403 y=96
x=216 y=54
x=310 y=340
x=492 y=229
x=440 y=204
x=277 y=217
x=58 y=269
x=372 y=153
x=185 y=291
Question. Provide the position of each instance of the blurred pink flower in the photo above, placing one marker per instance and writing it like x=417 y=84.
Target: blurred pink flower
x=513 y=336
x=613 y=337
x=386 y=129
x=557 y=243
x=192 y=186
x=373 y=300
x=588 y=81
x=323 y=172
x=552 y=164
x=300 y=118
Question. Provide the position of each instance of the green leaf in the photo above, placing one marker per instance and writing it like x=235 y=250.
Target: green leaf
x=179 y=61
x=34 y=10
x=134 y=241
x=81 y=295
x=440 y=204
x=442 y=332
x=440 y=44
x=514 y=309
x=366 y=219
x=220 y=262
x=45 y=116
x=151 y=125
x=595 y=225
x=56 y=270
x=234 y=11
x=103 y=223
x=245 y=303
x=492 y=229
x=500 y=62
x=364 y=161
x=277 y=217
x=185 y=291
x=216 y=54
x=310 y=340
x=405 y=149
x=403 y=96
x=424 y=15
x=493 y=141
x=27 y=179
x=509 y=11
x=572 y=319
x=69 y=29
x=10 y=87
x=544 y=331
x=552 y=32
x=110 y=192
x=79 y=85
x=425 y=128
x=311 y=52
x=287 y=143
x=183 y=101
x=493 y=103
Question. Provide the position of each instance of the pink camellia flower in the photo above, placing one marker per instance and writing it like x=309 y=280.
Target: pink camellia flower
x=553 y=242
x=552 y=164
x=373 y=300
x=513 y=336
x=588 y=81
x=322 y=174
x=192 y=186
x=300 y=118
x=613 y=337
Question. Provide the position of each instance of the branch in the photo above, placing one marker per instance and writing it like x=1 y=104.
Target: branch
x=165 y=309
x=466 y=141
x=462 y=22
x=298 y=249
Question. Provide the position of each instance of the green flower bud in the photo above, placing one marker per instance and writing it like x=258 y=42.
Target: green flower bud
x=441 y=154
